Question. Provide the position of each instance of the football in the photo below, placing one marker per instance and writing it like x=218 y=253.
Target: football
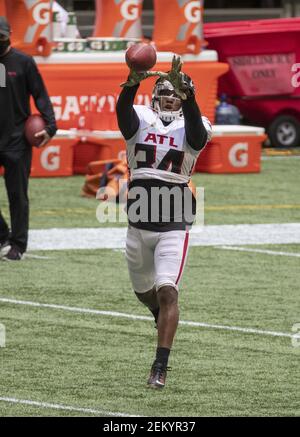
x=140 y=57
x=33 y=125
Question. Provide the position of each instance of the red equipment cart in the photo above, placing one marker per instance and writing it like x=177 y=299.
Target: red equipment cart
x=264 y=78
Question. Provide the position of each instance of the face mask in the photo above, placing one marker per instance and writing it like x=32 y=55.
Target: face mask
x=3 y=46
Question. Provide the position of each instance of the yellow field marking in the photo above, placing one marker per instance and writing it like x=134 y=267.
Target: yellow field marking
x=236 y=207
x=62 y=212
x=82 y=211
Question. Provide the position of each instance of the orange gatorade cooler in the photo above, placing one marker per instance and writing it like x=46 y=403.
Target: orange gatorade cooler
x=56 y=158
x=31 y=23
x=118 y=18
x=233 y=149
x=178 y=25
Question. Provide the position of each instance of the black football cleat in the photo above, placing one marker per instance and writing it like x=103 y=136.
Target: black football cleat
x=158 y=374
x=13 y=254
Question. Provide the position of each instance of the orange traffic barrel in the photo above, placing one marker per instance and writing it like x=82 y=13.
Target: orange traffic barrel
x=118 y=18
x=178 y=25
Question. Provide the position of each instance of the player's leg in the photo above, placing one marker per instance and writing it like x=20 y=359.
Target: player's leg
x=168 y=317
x=170 y=257
x=149 y=299
x=140 y=260
x=17 y=170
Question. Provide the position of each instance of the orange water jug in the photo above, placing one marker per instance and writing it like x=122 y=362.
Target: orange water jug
x=178 y=25
x=31 y=24
x=118 y=18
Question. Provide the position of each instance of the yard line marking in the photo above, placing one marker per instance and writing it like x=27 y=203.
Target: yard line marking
x=64 y=407
x=211 y=235
x=137 y=317
x=237 y=207
x=265 y=251
x=63 y=212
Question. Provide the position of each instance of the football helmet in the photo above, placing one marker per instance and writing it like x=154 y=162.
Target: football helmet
x=166 y=102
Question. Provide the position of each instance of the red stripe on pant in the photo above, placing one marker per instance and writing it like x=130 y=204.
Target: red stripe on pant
x=185 y=247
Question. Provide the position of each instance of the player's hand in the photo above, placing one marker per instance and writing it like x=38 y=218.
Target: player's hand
x=45 y=135
x=136 y=77
x=176 y=77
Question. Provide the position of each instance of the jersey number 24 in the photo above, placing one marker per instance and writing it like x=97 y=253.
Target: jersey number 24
x=172 y=158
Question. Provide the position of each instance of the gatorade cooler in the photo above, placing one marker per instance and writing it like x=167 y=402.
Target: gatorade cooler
x=233 y=149
x=118 y=18
x=31 y=23
x=178 y=25
x=55 y=159
x=96 y=146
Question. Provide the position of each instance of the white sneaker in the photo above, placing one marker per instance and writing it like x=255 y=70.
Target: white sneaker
x=4 y=248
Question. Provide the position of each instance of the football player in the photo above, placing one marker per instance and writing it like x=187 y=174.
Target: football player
x=163 y=143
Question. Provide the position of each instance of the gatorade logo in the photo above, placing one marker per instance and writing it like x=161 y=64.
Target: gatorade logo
x=192 y=12
x=130 y=10
x=67 y=106
x=41 y=13
x=238 y=155
x=50 y=158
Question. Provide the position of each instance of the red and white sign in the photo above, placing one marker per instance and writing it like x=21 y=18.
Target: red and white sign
x=261 y=75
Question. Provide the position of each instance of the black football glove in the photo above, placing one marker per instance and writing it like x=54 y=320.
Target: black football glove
x=136 y=77
x=182 y=83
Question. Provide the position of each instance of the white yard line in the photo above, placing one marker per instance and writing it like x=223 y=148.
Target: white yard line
x=264 y=251
x=64 y=407
x=137 y=317
x=114 y=238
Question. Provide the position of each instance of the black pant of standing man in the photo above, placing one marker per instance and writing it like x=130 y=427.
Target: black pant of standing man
x=22 y=80
x=17 y=170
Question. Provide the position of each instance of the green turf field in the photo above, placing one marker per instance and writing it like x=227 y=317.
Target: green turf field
x=70 y=356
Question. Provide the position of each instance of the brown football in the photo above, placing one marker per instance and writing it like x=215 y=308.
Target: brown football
x=33 y=125
x=140 y=57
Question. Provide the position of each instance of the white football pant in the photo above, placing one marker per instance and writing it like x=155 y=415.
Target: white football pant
x=155 y=258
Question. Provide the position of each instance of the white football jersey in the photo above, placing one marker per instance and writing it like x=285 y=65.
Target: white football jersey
x=161 y=152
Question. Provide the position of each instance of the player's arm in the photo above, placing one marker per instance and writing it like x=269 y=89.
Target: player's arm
x=195 y=131
x=128 y=119
x=41 y=98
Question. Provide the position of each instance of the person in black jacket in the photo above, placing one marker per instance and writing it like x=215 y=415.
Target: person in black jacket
x=22 y=80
